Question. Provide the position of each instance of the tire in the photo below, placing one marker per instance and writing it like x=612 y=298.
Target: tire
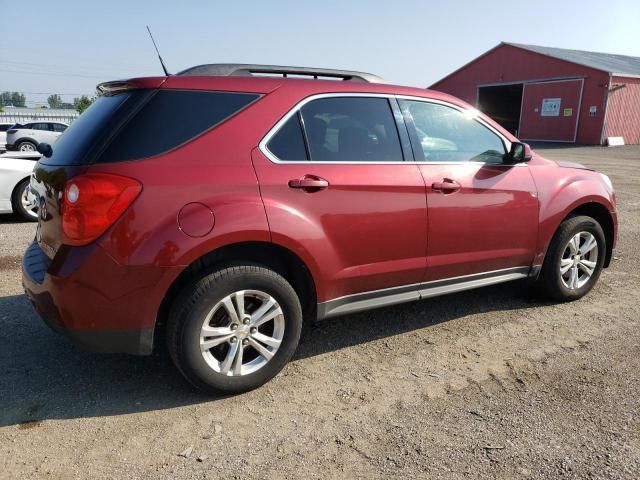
x=201 y=306
x=19 y=207
x=27 y=146
x=560 y=256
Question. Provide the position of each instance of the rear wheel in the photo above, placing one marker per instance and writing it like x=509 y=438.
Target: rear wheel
x=574 y=260
x=27 y=146
x=234 y=329
x=24 y=202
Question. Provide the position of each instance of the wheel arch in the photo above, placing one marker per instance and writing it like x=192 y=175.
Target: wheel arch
x=26 y=139
x=270 y=255
x=591 y=208
x=600 y=214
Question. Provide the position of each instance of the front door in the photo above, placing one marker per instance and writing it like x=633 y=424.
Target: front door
x=337 y=191
x=483 y=213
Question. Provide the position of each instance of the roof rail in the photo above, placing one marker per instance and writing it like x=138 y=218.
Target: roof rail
x=239 y=69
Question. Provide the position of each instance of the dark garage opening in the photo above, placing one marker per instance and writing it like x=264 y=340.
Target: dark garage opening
x=502 y=103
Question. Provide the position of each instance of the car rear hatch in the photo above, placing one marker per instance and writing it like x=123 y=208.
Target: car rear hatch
x=132 y=120
x=79 y=147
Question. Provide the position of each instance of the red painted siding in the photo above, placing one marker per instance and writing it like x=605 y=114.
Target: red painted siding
x=623 y=110
x=508 y=64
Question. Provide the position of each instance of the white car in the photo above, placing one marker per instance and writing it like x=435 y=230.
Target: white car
x=3 y=135
x=26 y=137
x=15 y=192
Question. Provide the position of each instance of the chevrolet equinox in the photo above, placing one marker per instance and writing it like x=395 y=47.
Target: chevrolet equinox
x=219 y=207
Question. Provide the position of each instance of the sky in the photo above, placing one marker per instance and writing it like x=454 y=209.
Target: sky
x=69 y=46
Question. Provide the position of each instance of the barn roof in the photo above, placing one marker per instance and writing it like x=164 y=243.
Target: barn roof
x=622 y=65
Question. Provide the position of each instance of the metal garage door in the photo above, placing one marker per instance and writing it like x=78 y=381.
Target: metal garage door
x=550 y=110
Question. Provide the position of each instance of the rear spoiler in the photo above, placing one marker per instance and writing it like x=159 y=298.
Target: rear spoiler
x=118 y=86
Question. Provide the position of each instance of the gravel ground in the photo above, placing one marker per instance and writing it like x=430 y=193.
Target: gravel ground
x=490 y=383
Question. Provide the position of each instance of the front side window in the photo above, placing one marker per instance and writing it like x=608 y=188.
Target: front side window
x=351 y=129
x=446 y=134
x=58 y=127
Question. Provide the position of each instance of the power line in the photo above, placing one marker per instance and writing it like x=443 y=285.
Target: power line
x=14 y=64
x=62 y=74
x=48 y=93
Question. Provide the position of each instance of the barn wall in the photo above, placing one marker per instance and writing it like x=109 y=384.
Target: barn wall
x=623 y=110
x=508 y=64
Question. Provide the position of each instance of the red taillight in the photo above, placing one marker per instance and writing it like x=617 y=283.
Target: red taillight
x=92 y=203
x=12 y=131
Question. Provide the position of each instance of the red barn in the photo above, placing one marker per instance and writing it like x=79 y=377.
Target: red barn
x=553 y=94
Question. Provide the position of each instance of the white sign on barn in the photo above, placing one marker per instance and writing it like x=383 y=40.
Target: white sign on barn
x=550 y=107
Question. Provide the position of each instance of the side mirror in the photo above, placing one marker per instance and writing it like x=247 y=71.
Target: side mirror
x=520 y=152
x=45 y=149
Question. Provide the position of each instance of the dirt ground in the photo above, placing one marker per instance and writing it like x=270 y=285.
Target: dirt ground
x=492 y=383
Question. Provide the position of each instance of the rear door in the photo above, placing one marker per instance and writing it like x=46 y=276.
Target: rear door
x=336 y=189
x=483 y=213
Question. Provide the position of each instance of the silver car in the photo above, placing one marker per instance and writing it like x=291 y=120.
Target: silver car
x=25 y=138
x=3 y=135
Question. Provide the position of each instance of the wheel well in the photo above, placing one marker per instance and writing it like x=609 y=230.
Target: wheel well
x=269 y=255
x=598 y=212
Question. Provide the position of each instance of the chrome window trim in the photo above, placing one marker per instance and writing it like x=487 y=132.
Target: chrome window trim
x=358 y=302
x=296 y=108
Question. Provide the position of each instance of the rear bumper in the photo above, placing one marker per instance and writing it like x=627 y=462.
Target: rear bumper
x=87 y=296
x=10 y=147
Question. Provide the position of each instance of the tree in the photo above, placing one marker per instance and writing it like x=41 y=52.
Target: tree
x=15 y=99
x=54 y=101
x=82 y=103
x=18 y=99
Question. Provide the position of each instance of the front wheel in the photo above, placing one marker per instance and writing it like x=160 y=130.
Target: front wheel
x=234 y=329
x=574 y=260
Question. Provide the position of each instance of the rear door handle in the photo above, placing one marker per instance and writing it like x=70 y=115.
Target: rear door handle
x=309 y=183
x=447 y=185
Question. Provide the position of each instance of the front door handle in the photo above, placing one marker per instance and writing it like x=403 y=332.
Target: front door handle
x=309 y=183
x=447 y=185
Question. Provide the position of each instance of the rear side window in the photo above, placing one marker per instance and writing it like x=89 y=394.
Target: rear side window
x=351 y=129
x=171 y=118
x=40 y=126
x=288 y=143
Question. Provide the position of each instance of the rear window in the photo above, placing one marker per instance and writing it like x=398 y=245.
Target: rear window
x=142 y=123
x=86 y=134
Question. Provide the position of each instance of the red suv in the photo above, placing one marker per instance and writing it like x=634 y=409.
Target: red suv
x=223 y=205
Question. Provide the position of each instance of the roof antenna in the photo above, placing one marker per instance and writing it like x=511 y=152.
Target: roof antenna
x=158 y=52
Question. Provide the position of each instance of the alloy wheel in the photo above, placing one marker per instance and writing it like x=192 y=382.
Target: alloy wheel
x=242 y=332
x=27 y=147
x=579 y=260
